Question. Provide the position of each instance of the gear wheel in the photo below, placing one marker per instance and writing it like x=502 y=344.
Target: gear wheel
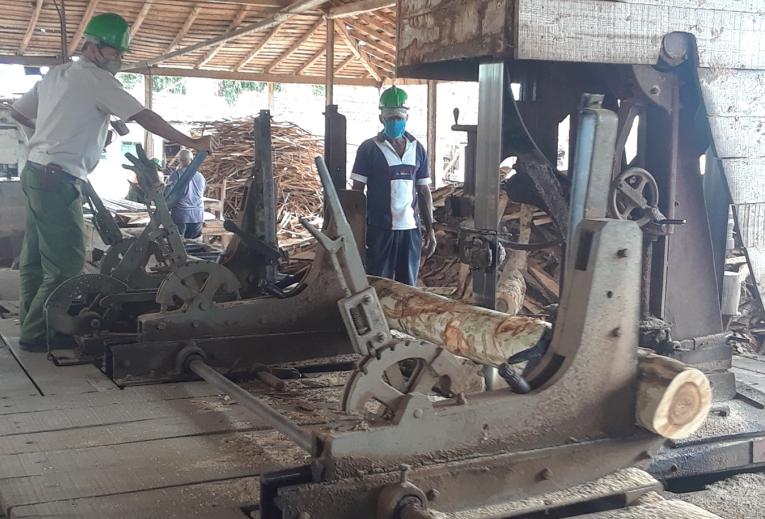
x=199 y=283
x=73 y=308
x=391 y=372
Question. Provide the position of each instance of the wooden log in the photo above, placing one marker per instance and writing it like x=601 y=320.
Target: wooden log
x=673 y=399
x=484 y=336
x=511 y=287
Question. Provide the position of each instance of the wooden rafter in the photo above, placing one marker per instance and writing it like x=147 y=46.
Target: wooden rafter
x=312 y=61
x=344 y=63
x=31 y=28
x=360 y=7
x=254 y=52
x=240 y=16
x=271 y=21
x=251 y=76
x=83 y=23
x=354 y=48
x=145 y=8
x=185 y=28
x=295 y=46
x=383 y=40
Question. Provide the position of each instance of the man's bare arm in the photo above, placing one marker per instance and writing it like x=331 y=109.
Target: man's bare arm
x=425 y=203
x=23 y=119
x=154 y=123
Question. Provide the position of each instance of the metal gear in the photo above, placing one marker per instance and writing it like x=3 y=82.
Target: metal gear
x=379 y=376
x=73 y=308
x=199 y=283
x=634 y=194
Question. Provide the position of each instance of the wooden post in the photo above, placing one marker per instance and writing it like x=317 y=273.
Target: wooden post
x=271 y=101
x=329 y=75
x=432 y=99
x=148 y=139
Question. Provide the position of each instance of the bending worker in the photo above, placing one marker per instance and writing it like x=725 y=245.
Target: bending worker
x=69 y=110
x=189 y=212
x=394 y=168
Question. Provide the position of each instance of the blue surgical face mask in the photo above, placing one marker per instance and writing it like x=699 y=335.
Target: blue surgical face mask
x=394 y=128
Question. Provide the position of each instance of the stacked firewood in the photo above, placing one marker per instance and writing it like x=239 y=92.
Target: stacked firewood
x=298 y=189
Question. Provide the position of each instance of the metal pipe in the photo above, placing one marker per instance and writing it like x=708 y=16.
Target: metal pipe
x=284 y=425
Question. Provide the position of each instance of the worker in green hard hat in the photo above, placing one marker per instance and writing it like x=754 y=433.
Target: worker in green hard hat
x=69 y=110
x=393 y=167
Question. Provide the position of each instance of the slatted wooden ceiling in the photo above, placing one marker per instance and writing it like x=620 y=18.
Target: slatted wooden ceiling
x=364 y=44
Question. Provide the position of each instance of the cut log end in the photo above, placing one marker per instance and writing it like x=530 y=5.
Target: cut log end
x=673 y=399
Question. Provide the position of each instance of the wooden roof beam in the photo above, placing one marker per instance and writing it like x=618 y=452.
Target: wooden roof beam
x=271 y=21
x=344 y=63
x=140 y=18
x=254 y=52
x=354 y=48
x=240 y=16
x=251 y=76
x=360 y=7
x=369 y=31
x=312 y=61
x=83 y=23
x=31 y=29
x=185 y=28
x=295 y=46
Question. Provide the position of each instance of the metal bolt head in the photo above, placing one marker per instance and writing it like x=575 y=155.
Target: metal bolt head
x=655 y=90
x=204 y=305
x=95 y=324
x=432 y=494
x=367 y=299
x=616 y=332
x=304 y=515
x=195 y=324
x=161 y=325
x=418 y=413
x=404 y=468
x=546 y=474
x=380 y=337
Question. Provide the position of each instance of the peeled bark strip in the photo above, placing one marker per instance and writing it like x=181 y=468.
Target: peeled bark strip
x=481 y=335
x=673 y=399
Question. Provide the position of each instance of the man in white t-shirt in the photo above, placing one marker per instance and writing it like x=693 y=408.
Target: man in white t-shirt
x=69 y=110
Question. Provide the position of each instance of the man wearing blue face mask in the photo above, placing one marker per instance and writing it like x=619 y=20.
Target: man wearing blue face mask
x=393 y=167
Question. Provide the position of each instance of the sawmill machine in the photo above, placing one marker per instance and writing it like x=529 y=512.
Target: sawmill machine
x=679 y=77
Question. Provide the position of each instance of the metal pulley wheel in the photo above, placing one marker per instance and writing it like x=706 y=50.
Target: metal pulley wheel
x=73 y=308
x=200 y=284
x=634 y=195
x=404 y=367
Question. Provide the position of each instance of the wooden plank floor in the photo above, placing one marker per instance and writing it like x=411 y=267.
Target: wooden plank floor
x=72 y=444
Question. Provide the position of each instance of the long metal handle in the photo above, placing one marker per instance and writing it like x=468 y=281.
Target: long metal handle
x=175 y=192
x=284 y=425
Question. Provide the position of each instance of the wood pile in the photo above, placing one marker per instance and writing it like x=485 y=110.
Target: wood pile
x=298 y=189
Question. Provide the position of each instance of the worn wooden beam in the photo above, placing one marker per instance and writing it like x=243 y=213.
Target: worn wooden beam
x=240 y=16
x=431 y=130
x=145 y=8
x=184 y=30
x=253 y=3
x=384 y=40
x=295 y=46
x=271 y=96
x=360 y=7
x=310 y=63
x=30 y=61
x=83 y=23
x=32 y=26
x=265 y=24
x=354 y=48
x=251 y=76
x=148 y=102
x=329 y=73
x=254 y=52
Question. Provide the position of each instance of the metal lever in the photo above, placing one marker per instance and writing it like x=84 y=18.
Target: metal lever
x=253 y=242
x=175 y=192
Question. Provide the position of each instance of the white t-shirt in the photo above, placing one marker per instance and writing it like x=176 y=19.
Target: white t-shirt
x=71 y=106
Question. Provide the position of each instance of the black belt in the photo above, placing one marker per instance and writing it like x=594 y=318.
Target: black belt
x=51 y=168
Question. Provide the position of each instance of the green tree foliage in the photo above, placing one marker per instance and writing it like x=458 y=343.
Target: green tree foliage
x=230 y=90
x=318 y=90
x=169 y=84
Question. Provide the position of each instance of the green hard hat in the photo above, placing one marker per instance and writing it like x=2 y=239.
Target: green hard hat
x=109 y=29
x=157 y=163
x=393 y=97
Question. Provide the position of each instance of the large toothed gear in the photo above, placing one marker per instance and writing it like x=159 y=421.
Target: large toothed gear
x=384 y=377
x=73 y=308
x=199 y=283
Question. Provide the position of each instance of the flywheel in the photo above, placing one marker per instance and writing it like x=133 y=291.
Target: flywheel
x=200 y=284
x=74 y=307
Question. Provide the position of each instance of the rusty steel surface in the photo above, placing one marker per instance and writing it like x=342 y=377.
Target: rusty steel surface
x=482 y=335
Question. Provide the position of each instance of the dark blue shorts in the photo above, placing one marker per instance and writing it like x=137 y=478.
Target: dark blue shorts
x=190 y=230
x=394 y=254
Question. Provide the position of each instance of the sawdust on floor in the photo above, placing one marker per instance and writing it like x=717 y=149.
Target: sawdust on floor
x=739 y=497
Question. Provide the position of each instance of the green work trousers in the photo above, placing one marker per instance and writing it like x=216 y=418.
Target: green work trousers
x=54 y=242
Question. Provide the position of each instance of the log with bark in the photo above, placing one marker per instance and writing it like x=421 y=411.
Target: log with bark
x=481 y=335
x=673 y=399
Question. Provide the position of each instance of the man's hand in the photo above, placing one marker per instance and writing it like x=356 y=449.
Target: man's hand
x=204 y=143
x=429 y=244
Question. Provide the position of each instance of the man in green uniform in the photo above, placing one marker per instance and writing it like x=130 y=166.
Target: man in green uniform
x=69 y=110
